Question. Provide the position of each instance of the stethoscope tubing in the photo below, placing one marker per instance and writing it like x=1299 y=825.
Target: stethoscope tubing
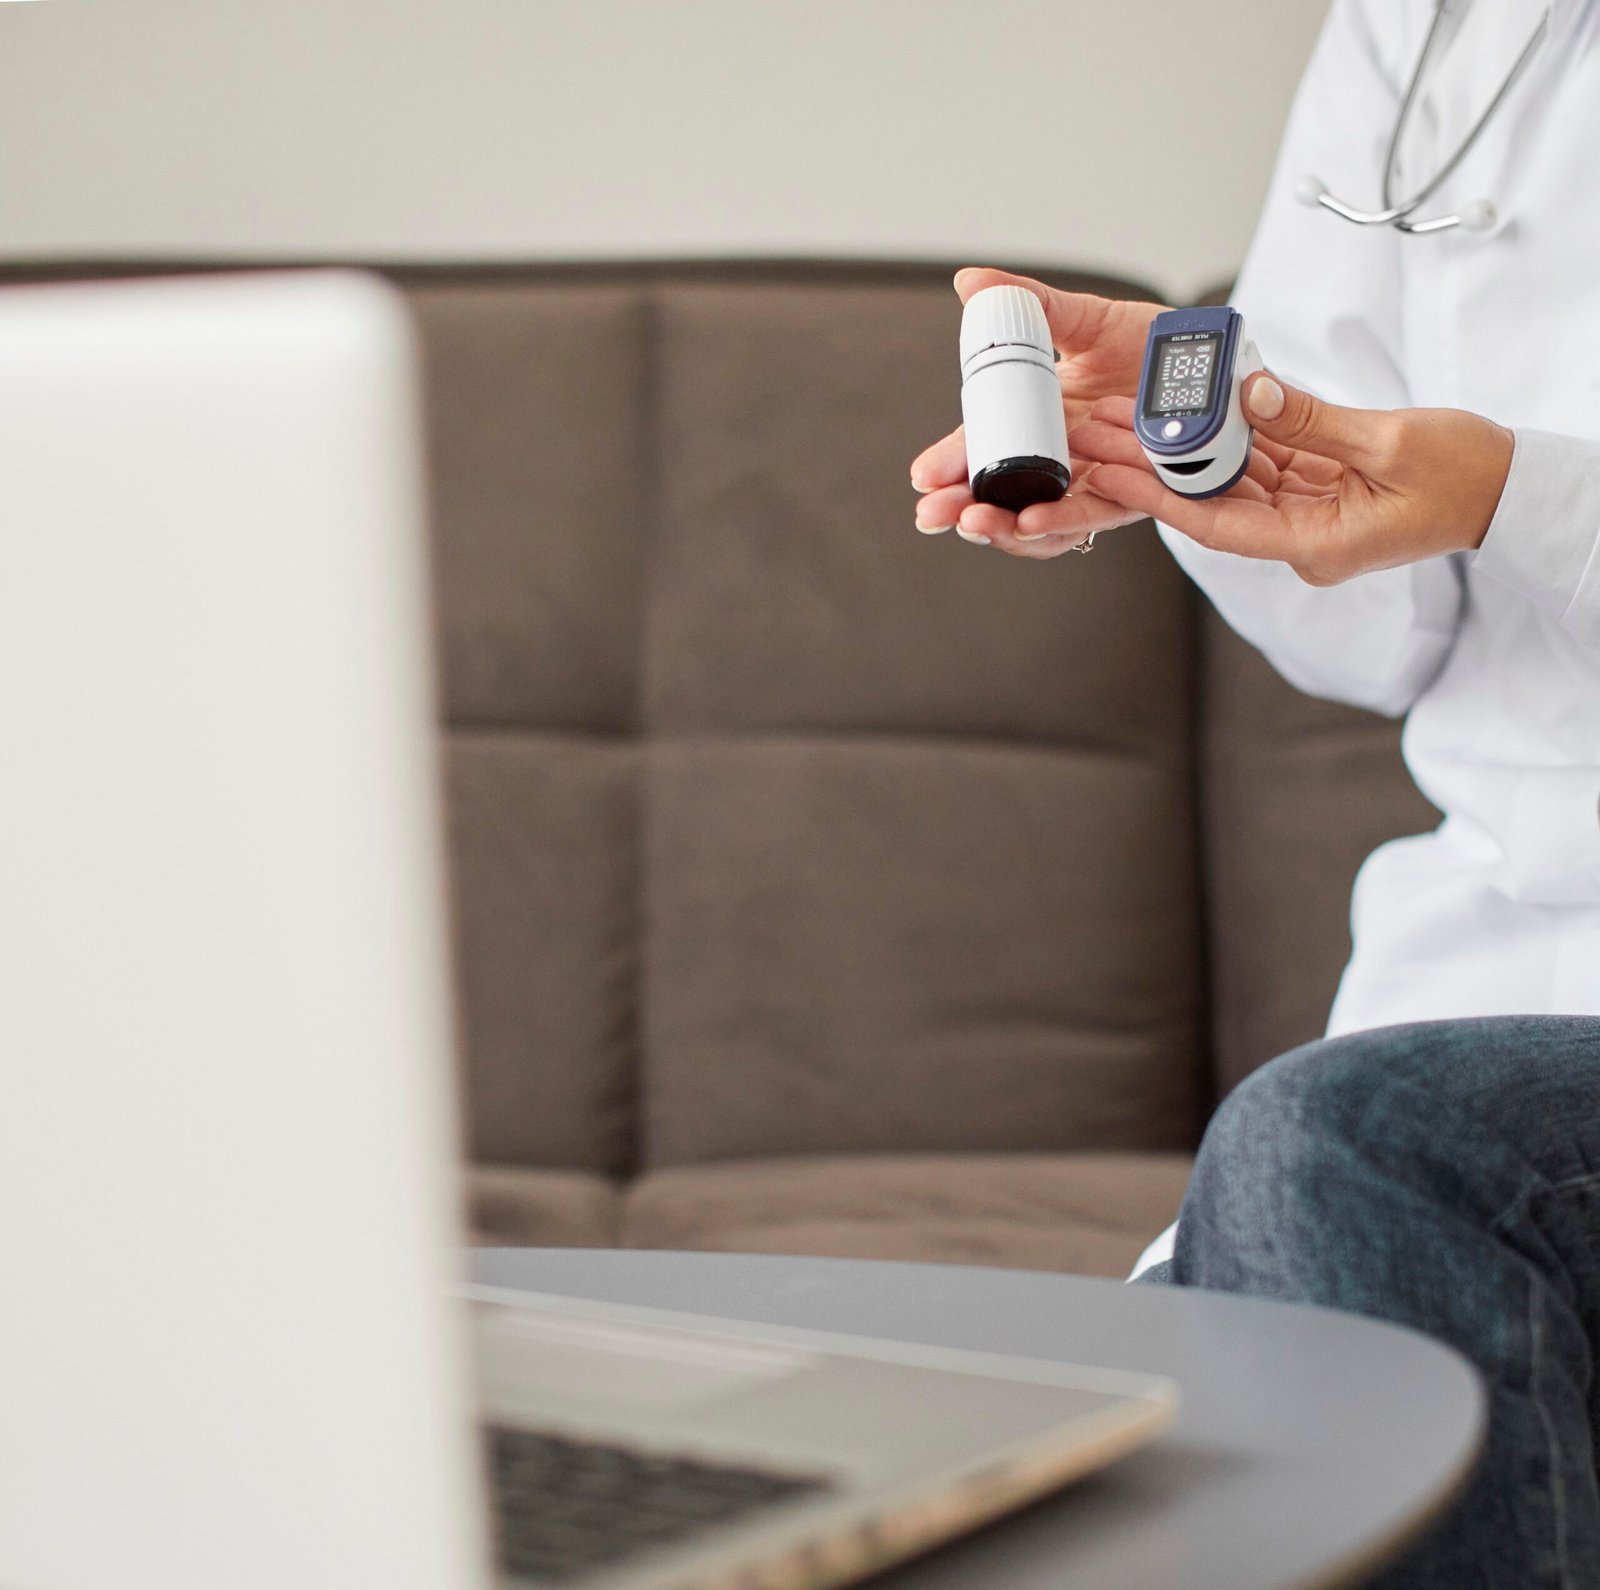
x=1398 y=215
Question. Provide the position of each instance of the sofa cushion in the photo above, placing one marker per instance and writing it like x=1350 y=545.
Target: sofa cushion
x=508 y=1206
x=1090 y=1214
x=862 y=944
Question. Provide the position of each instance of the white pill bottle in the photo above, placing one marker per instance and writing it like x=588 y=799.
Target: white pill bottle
x=1011 y=401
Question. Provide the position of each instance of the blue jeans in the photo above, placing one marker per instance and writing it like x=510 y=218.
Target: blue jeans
x=1445 y=1176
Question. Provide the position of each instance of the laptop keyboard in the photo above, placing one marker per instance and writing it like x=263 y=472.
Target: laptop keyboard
x=566 y=1509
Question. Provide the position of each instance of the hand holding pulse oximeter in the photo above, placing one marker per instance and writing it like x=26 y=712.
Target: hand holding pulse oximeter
x=1188 y=418
x=1189 y=415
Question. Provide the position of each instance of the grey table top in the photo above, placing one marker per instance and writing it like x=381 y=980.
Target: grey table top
x=1310 y=1443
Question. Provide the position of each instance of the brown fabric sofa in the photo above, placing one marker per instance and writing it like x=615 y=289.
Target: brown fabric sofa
x=822 y=887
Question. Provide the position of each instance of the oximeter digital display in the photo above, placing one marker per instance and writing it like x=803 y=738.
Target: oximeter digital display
x=1189 y=416
x=1185 y=363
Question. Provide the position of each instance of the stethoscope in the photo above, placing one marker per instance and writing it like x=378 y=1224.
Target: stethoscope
x=1475 y=217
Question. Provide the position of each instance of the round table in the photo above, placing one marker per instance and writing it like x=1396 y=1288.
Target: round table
x=1310 y=1447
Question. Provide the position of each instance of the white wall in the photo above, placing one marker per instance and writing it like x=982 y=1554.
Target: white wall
x=1134 y=136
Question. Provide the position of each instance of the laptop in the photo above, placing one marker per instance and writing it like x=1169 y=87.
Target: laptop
x=235 y=1346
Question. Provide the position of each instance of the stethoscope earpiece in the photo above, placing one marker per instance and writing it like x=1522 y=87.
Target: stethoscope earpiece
x=1479 y=216
x=1309 y=190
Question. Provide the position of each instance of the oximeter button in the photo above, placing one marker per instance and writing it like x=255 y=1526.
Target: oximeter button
x=1172 y=428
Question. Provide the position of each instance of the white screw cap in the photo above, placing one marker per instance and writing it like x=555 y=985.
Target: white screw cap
x=1001 y=317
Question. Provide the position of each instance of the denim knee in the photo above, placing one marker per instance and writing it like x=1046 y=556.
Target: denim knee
x=1268 y=1140
x=1329 y=1162
x=1305 y=1160
x=1288 y=1115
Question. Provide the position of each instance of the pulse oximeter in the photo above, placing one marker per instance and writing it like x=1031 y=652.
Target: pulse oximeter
x=1189 y=416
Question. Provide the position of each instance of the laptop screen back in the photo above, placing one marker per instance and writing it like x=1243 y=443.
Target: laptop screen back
x=226 y=1199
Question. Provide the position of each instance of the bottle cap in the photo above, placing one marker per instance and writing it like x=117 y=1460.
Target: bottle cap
x=1003 y=317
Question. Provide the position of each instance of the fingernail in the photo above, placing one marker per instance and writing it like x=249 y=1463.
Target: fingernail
x=1266 y=399
x=916 y=485
x=967 y=535
x=934 y=529
x=1038 y=535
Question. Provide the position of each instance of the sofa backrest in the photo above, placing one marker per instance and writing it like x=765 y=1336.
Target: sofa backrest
x=779 y=828
x=1295 y=794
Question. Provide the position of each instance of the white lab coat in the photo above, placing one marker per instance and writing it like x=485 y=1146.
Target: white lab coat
x=1494 y=656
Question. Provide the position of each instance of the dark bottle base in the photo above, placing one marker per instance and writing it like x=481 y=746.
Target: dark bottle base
x=1018 y=483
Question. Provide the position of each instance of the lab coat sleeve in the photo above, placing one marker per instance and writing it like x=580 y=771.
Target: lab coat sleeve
x=1322 y=298
x=1544 y=539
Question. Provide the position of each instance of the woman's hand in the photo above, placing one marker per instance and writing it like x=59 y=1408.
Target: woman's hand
x=1101 y=343
x=1332 y=492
